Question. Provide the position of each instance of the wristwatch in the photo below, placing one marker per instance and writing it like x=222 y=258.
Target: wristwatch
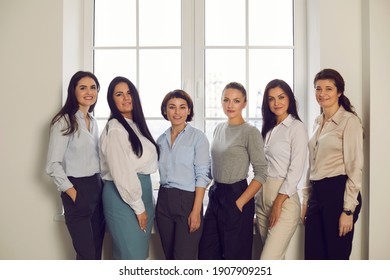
x=348 y=212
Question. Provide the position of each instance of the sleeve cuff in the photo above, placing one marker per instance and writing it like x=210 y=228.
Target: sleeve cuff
x=138 y=206
x=65 y=186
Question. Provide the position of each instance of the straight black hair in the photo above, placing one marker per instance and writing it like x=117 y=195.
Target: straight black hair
x=269 y=118
x=138 y=115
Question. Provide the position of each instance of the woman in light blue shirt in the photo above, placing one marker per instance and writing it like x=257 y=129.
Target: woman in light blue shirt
x=184 y=167
x=73 y=163
x=285 y=146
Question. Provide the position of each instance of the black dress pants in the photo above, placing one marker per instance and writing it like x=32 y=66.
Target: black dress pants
x=325 y=205
x=84 y=217
x=227 y=232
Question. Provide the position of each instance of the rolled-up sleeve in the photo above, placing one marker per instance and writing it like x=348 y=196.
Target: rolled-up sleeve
x=202 y=162
x=58 y=144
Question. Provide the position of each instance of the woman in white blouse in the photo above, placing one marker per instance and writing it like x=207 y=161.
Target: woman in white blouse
x=332 y=194
x=285 y=146
x=128 y=156
x=73 y=163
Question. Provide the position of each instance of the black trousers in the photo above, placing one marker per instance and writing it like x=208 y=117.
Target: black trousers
x=172 y=211
x=227 y=232
x=84 y=217
x=325 y=205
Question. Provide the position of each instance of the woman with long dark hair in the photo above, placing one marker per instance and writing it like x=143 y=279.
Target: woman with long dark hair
x=73 y=162
x=129 y=155
x=285 y=146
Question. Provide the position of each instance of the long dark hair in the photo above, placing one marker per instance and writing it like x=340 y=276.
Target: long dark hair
x=71 y=106
x=138 y=115
x=333 y=75
x=269 y=118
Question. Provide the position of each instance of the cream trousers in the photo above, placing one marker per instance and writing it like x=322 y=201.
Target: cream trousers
x=276 y=239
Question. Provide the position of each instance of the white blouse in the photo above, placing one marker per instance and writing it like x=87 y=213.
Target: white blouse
x=286 y=148
x=119 y=163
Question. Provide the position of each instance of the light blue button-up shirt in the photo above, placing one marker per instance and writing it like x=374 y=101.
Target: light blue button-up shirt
x=185 y=164
x=75 y=155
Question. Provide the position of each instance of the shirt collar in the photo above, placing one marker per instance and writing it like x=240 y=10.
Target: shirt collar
x=288 y=121
x=168 y=131
x=80 y=115
x=336 y=118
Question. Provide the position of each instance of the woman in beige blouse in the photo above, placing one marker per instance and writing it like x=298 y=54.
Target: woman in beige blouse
x=332 y=198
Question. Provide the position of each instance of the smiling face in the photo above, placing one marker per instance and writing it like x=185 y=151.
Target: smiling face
x=123 y=100
x=233 y=102
x=177 y=111
x=278 y=103
x=86 y=93
x=327 y=94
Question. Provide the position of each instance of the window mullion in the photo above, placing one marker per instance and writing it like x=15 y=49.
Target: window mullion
x=187 y=50
x=199 y=62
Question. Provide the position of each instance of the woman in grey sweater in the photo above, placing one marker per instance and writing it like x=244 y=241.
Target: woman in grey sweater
x=228 y=222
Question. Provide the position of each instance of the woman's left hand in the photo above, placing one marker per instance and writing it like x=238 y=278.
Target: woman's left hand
x=194 y=221
x=345 y=224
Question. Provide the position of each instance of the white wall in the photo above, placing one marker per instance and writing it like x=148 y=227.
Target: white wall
x=379 y=72
x=30 y=94
x=335 y=41
x=350 y=36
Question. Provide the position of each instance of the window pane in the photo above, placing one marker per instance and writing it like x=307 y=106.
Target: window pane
x=256 y=123
x=101 y=125
x=160 y=73
x=160 y=22
x=115 y=23
x=225 y=22
x=264 y=66
x=157 y=127
x=220 y=71
x=209 y=129
x=108 y=65
x=270 y=22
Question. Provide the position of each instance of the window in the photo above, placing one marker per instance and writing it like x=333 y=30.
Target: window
x=199 y=46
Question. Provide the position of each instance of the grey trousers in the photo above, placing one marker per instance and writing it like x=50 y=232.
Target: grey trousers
x=172 y=211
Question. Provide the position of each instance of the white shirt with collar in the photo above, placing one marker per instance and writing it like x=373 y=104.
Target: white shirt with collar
x=286 y=147
x=120 y=164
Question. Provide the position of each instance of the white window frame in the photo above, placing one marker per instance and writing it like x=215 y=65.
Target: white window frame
x=78 y=54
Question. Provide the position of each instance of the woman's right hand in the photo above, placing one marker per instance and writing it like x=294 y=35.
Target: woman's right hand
x=303 y=213
x=72 y=192
x=143 y=220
